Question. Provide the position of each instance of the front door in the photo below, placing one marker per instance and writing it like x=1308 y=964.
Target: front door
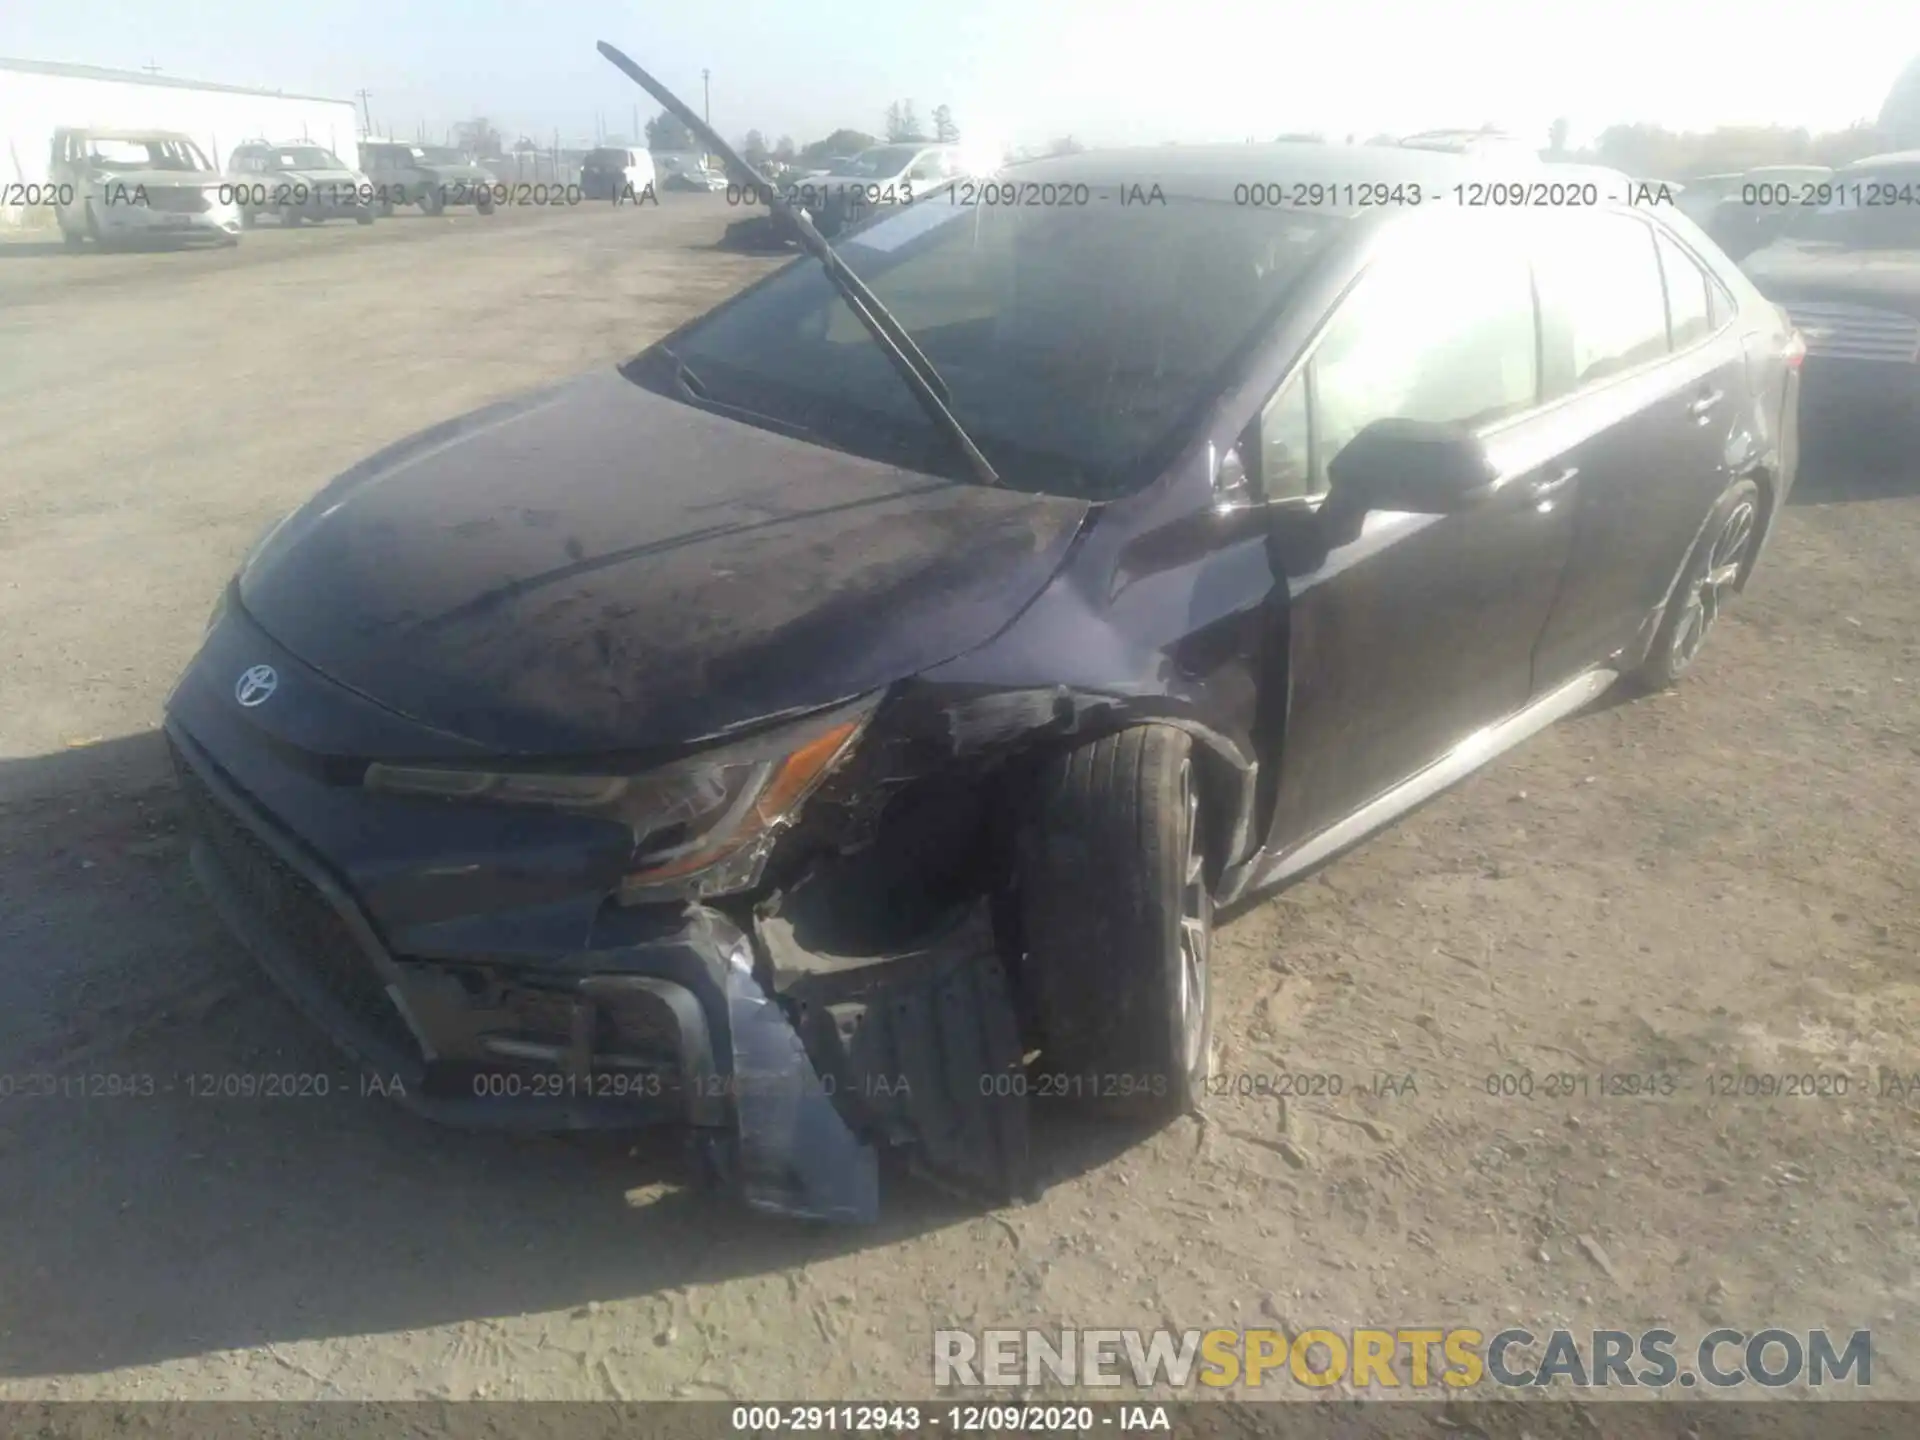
x=1655 y=387
x=1407 y=633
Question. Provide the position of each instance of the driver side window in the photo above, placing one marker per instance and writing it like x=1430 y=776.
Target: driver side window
x=1447 y=333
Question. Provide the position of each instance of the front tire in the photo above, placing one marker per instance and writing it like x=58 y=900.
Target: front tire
x=1707 y=581
x=1116 y=916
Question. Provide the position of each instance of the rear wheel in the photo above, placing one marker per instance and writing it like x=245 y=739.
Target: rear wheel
x=1116 y=916
x=1705 y=585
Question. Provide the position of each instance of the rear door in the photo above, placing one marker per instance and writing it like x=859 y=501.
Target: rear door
x=1648 y=372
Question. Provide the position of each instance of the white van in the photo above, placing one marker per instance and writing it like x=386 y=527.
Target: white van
x=610 y=173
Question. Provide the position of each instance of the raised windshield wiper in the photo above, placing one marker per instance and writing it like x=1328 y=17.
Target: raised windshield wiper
x=888 y=333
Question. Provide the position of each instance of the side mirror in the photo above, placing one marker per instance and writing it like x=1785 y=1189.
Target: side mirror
x=1412 y=465
x=1233 y=487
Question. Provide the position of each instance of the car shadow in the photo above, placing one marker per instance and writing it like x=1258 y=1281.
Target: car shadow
x=32 y=249
x=174 y=1181
x=1871 y=458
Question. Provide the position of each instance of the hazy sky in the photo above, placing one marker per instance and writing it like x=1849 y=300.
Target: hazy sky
x=1023 y=71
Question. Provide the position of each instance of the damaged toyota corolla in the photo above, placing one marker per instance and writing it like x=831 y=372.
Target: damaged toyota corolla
x=837 y=724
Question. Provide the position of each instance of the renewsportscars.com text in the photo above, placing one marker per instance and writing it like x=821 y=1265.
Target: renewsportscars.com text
x=1402 y=1357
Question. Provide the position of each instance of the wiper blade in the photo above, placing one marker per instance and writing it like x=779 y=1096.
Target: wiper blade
x=888 y=333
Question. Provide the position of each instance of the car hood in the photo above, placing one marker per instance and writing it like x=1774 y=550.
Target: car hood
x=157 y=179
x=596 y=567
x=1790 y=270
x=319 y=175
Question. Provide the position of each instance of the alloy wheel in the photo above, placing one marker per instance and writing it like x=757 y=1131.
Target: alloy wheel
x=1712 y=583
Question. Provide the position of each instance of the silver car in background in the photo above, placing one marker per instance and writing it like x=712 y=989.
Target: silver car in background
x=138 y=184
x=297 y=181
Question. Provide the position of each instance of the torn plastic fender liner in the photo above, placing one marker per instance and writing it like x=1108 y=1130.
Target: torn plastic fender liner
x=795 y=1154
x=918 y=1048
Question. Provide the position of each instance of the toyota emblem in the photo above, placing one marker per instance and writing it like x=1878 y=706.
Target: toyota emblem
x=256 y=685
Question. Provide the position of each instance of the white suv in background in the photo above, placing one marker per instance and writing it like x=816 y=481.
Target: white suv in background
x=121 y=184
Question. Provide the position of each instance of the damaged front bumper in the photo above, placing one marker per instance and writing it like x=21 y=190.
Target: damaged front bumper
x=794 y=1076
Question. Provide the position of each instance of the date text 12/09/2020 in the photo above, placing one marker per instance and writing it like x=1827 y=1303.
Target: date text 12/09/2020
x=1262 y=194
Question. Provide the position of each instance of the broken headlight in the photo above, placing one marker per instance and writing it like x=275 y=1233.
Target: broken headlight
x=702 y=826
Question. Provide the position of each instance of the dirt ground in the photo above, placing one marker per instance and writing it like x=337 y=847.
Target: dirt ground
x=1717 y=880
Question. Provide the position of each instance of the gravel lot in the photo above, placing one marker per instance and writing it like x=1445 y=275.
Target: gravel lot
x=1715 y=879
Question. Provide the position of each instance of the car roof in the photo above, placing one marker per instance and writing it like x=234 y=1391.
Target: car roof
x=1213 y=172
x=1892 y=157
x=92 y=133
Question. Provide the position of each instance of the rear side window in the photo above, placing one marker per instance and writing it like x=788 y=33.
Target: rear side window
x=1446 y=333
x=1689 y=297
x=1602 y=299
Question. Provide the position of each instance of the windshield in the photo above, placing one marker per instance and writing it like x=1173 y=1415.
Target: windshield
x=305 y=157
x=879 y=161
x=154 y=154
x=615 y=158
x=1078 y=345
x=1868 y=209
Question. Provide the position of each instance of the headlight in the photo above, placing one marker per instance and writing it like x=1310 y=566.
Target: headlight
x=701 y=827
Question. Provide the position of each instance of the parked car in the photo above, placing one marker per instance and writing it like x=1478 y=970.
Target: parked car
x=697 y=180
x=1703 y=195
x=411 y=175
x=873 y=180
x=297 y=182
x=862 y=743
x=612 y=173
x=1752 y=212
x=1484 y=143
x=120 y=184
x=1847 y=268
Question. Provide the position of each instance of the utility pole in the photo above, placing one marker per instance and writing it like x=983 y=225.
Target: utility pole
x=151 y=68
x=706 y=98
x=365 y=112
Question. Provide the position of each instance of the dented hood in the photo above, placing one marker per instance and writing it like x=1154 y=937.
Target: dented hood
x=597 y=567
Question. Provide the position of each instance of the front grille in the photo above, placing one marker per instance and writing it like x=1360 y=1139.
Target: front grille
x=1857 y=332
x=173 y=200
x=289 y=903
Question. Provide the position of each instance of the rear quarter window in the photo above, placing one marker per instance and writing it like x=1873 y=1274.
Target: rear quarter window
x=1689 y=295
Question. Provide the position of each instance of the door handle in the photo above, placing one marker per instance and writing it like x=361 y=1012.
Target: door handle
x=1703 y=406
x=1544 y=489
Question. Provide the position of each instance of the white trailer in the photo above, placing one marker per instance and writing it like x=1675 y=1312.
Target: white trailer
x=38 y=97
